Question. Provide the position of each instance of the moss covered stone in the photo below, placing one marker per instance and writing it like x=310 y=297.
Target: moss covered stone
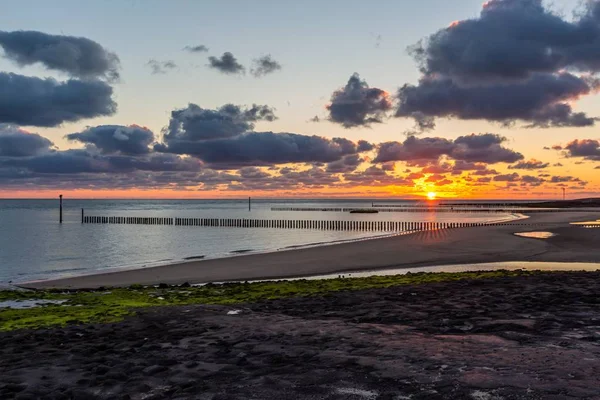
x=103 y=306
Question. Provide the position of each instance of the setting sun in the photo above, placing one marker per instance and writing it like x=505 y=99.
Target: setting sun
x=431 y=195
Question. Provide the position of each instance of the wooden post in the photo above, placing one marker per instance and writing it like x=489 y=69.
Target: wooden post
x=82 y=218
x=249 y=204
x=60 y=216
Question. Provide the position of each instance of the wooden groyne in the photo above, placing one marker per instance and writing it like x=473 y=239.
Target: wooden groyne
x=126 y=220
x=416 y=210
x=329 y=225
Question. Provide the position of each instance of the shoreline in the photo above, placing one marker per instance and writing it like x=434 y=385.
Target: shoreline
x=511 y=217
x=490 y=336
x=418 y=249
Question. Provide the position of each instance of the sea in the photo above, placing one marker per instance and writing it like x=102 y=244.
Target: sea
x=35 y=246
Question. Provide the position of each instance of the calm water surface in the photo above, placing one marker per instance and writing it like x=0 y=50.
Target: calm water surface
x=33 y=245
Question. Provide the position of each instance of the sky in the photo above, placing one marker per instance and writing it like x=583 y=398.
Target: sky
x=211 y=99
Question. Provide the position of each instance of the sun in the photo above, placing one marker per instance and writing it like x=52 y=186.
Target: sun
x=431 y=195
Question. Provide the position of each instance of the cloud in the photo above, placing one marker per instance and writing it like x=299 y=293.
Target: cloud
x=16 y=142
x=161 y=67
x=347 y=164
x=194 y=123
x=514 y=177
x=363 y=145
x=77 y=56
x=227 y=64
x=485 y=148
x=112 y=139
x=560 y=179
x=375 y=176
x=531 y=164
x=90 y=160
x=541 y=100
x=46 y=102
x=265 y=65
x=200 y=48
x=513 y=39
x=358 y=105
x=265 y=148
x=588 y=149
x=508 y=65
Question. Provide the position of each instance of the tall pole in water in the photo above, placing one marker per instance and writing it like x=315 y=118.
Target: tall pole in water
x=60 y=219
x=249 y=203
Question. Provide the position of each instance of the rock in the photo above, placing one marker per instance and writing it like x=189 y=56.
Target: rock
x=14 y=387
x=101 y=369
x=154 y=369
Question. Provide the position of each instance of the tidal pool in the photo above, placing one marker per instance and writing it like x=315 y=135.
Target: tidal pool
x=536 y=235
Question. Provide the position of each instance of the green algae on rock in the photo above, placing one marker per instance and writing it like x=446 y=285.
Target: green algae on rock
x=105 y=306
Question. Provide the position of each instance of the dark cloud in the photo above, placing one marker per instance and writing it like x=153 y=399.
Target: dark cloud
x=253 y=178
x=161 y=67
x=375 y=176
x=531 y=164
x=532 y=180
x=265 y=65
x=200 y=48
x=347 y=164
x=15 y=142
x=485 y=148
x=227 y=64
x=358 y=105
x=473 y=168
x=561 y=179
x=116 y=138
x=588 y=149
x=541 y=100
x=193 y=124
x=414 y=148
x=363 y=145
x=265 y=148
x=77 y=56
x=514 y=177
x=513 y=39
x=529 y=180
x=46 y=102
x=77 y=161
x=507 y=65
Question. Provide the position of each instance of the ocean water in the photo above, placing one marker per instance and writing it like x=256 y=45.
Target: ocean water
x=33 y=245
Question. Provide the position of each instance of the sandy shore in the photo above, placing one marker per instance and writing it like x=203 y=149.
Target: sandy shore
x=530 y=337
x=455 y=246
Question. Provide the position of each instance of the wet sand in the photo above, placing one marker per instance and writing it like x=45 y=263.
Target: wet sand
x=528 y=337
x=452 y=246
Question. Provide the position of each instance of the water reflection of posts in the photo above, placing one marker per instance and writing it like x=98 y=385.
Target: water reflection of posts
x=60 y=219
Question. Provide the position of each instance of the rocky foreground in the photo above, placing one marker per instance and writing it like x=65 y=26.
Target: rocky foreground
x=528 y=337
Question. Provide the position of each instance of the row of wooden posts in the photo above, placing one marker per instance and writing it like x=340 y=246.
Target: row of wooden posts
x=127 y=220
x=402 y=210
x=381 y=226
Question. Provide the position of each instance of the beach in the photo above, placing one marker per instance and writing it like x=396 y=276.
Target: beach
x=533 y=336
x=439 y=247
